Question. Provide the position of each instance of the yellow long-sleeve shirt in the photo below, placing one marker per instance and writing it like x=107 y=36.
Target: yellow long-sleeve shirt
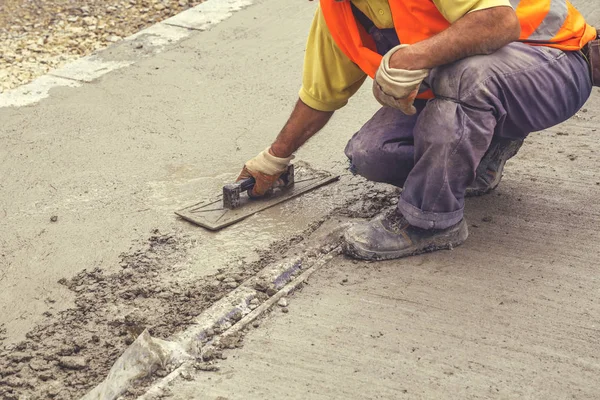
x=330 y=78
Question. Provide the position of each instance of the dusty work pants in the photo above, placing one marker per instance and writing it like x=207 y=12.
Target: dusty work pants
x=433 y=155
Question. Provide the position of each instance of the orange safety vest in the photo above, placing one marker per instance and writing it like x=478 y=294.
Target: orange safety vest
x=554 y=23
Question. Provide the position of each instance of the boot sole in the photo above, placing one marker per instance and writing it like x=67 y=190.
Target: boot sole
x=448 y=240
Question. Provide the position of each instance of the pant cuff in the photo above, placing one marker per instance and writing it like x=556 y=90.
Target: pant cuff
x=428 y=220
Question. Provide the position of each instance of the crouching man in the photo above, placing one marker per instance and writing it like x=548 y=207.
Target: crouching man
x=462 y=84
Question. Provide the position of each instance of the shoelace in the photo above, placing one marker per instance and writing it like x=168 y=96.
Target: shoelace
x=395 y=221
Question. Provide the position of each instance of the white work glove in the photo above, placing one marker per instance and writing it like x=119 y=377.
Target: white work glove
x=397 y=88
x=266 y=169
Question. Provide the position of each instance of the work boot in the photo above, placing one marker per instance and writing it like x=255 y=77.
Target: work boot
x=489 y=171
x=391 y=236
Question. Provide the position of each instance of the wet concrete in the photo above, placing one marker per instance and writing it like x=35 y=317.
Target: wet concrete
x=93 y=174
x=513 y=313
x=113 y=159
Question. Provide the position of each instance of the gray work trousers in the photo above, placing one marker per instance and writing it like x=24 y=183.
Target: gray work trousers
x=433 y=155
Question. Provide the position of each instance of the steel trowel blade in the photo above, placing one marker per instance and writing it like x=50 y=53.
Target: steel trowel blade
x=211 y=214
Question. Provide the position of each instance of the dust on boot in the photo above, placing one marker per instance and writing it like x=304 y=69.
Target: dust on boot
x=390 y=236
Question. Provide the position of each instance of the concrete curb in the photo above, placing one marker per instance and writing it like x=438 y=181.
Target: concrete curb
x=153 y=40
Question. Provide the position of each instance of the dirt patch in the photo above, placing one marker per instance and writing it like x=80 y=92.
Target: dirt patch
x=371 y=204
x=65 y=358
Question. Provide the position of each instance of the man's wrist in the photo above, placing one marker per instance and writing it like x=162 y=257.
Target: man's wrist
x=281 y=150
x=268 y=163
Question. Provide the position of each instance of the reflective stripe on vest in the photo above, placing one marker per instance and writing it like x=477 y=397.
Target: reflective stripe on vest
x=554 y=18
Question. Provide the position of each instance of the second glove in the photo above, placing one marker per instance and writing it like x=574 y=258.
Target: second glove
x=397 y=88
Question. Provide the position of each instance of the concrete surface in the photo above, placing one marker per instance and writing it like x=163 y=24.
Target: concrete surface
x=113 y=159
x=511 y=314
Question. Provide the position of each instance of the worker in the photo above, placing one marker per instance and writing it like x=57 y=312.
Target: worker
x=462 y=83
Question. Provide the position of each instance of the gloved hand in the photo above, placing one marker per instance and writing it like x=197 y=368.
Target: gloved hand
x=397 y=88
x=266 y=169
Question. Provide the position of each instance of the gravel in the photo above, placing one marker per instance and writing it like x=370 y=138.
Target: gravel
x=37 y=36
x=282 y=302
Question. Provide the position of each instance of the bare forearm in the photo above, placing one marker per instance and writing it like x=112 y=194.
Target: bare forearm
x=480 y=32
x=301 y=126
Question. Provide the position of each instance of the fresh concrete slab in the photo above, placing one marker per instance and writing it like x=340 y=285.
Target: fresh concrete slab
x=90 y=173
x=512 y=314
x=92 y=176
x=113 y=159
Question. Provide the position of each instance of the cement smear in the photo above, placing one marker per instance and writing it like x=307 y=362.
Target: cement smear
x=73 y=351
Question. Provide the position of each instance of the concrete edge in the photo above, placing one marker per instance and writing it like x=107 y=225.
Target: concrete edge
x=224 y=318
x=155 y=39
x=196 y=334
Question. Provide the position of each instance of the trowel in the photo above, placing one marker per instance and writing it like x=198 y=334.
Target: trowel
x=232 y=191
x=235 y=203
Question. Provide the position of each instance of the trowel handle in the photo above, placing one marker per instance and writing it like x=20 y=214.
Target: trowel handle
x=247 y=184
x=231 y=192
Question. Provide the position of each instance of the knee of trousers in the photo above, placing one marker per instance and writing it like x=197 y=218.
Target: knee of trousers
x=376 y=164
x=361 y=158
x=437 y=127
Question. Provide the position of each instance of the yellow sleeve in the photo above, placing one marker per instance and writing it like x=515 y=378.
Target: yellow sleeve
x=330 y=78
x=453 y=10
